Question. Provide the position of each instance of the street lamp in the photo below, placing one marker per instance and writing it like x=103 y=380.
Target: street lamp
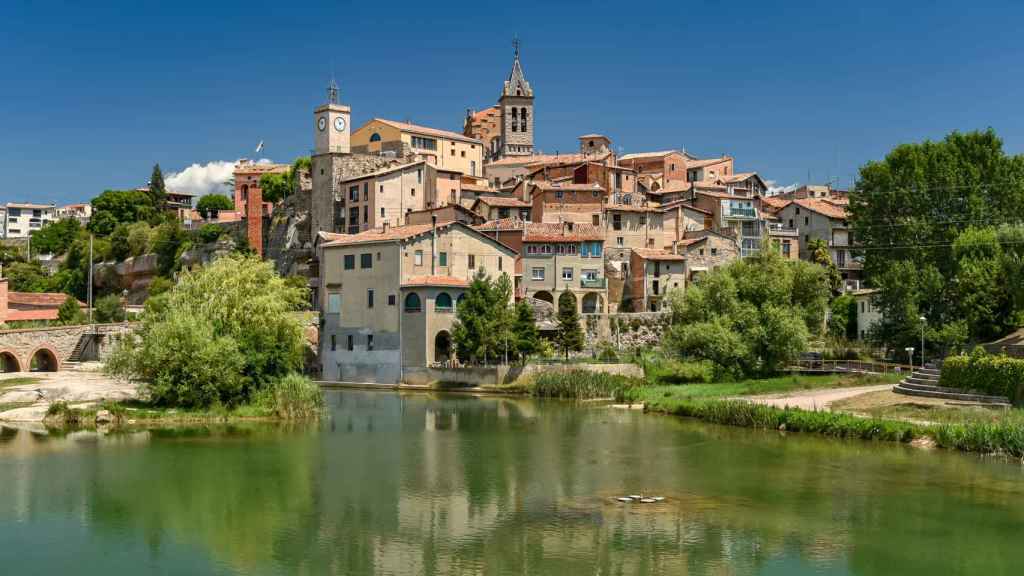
x=124 y=300
x=924 y=322
x=910 y=356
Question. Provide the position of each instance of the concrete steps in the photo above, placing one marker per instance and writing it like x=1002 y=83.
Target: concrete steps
x=924 y=383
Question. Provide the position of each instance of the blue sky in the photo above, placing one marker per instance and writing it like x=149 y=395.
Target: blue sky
x=94 y=93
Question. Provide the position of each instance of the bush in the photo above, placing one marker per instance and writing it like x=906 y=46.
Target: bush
x=209 y=233
x=109 y=309
x=667 y=372
x=159 y=285
x=985 y=373
x=70 y=313
x=582 y=384
x=293 y=396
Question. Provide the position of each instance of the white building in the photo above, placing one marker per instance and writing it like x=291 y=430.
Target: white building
x=867 y=313
x=21 y=220
x=80 y=212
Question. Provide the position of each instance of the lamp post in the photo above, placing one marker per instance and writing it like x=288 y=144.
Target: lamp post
x=924 y=322
x=910 y=356
x=124 y=300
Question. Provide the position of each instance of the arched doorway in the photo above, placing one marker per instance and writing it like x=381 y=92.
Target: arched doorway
x=43 y=360
x=545 y=296
x=9 y=362
x=592 y=303
x=442 y=346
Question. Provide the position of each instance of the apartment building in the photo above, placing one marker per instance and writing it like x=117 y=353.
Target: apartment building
x=388 y=296
x=441 y=149
x=565 y=257
x=652 y=274
x=822 y=219
x=22 y=219
x=678 y=218
x=663 y=166
x=499 y=207
x=389 y=195
x=705 y=250
x=80 y=212
x=709 y=169
x=629 y=226
x=736 y=216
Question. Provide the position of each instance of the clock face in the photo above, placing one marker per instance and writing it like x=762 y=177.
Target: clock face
x=339 y=124
x=321 y=123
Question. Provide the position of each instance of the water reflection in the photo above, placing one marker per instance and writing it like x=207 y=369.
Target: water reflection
x=415 y=484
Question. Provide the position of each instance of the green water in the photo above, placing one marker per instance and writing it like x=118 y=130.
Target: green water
x=413 y=484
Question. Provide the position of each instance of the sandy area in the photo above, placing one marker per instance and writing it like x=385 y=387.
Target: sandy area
x=82 y=385
x=814 y=399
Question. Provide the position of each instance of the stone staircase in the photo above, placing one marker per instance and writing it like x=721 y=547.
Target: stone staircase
x=924 y=382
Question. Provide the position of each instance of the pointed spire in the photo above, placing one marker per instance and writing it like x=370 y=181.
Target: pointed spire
x=332 y=91
x=516 y=85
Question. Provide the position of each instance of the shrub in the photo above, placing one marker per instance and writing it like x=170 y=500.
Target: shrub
x=606 y=352
x=70 y=312
x=293 y=396
x=109 y=309
x=661 y=372
x=209 y=233
x=582 y=384
x=985 y=373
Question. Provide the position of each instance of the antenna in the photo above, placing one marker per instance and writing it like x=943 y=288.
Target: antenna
x=332 y=91
x=515 y=44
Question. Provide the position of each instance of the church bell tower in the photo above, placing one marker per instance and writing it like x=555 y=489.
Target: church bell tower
x=516 y=104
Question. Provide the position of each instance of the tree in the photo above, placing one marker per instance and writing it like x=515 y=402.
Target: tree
x=220 y=336
x=109 y=309
x=26 y=277
x=70 y=313
x=157 y=189
x=481 y=328
x=275 y=186
x=524 y=330
x=843 y=321
x=820 y=255
x=209 y=205
x=752 y=316
x=569 y=336
x=169 y=241
x=56 y=237
x=114 y=207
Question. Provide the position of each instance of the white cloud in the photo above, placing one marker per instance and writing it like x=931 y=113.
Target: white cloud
x=774 y=190
x=203 y=179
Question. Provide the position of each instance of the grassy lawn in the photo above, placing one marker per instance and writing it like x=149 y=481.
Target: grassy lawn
x=660 y=395
x=18 y=381
x=890 y=405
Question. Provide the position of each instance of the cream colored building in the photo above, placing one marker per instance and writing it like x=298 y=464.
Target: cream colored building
x=567 y=257
x=22 y=220
x=388 y=296
x=390 y=194
x=653 y=274
x=441 y=148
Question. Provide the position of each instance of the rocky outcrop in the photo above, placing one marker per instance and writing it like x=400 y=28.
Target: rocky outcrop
x=134 y=275
x=289 y=242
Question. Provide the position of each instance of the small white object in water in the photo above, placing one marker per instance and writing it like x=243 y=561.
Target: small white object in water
x=658 y=498
x=635 y=497
x=624 y=499
x=648 y=500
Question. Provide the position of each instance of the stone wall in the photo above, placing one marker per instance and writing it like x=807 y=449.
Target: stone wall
x=626 y=331
x=59 y=341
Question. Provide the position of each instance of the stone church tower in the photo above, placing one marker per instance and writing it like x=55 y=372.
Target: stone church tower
x=516 y=105
x=331 y=133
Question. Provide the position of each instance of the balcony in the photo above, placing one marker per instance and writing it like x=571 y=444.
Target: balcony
x=593 y=282
x=738 y=212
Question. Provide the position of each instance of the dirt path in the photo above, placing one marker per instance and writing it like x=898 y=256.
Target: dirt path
x=28 y=402
x=813 y=399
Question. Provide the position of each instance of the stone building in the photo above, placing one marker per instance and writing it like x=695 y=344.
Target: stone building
x=825 y=220
x=389 y=296
x=663 y=165
x=652 y=274
x=705 y=250
x=498 y=207
x=565 y=257
x=443 y=149
x=506 y=130
x=391 y=193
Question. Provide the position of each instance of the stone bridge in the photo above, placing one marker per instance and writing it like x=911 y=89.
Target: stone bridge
x=50 y=349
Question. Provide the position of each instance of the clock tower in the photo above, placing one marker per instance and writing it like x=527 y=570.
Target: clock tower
x=331 y=127
x=331 y=131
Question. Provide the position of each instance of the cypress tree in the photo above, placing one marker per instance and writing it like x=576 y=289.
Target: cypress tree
x=157 y=188
x=569 y=336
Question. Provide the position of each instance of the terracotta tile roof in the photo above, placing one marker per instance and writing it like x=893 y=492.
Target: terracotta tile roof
x=707 y=162
x=503 y=201
x=642 y=155
x=49 y=299
x=720 y=194
x=660 y=255
x=822 y=207
x=538 y=232
x=426 y=131
x=773 y=204
x=384 y=171
x=682 y=203
x=671 y=187
x=501 y=224
x=477 y=188
x=32 y=314
x=483 y=114
x=392 y=234
x=554 y=186
x=448 y=281
x=539 y=159
x=739 y=177
x=838 y=200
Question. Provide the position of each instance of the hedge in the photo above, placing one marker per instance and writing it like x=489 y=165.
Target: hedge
x=986 y=374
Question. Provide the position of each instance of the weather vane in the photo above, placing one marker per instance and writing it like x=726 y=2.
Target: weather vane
x=515 y=44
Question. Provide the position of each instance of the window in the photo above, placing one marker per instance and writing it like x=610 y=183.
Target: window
x=499 y=263
x=618 y=179
x=443 y=302
x=531 y=249
x=559 y=194
x=381 y=188
x=618 y=241
x=334 y=343
x=350 y=261
x=472 y=167
x=334 y=303
x=366 y=213
x=412 y=192
x=351 y=343
x=369 y=341
x=537 y=273
x=381 y=211
x=861 y=307
x=701 y=251
x=472 y=261
x=442 y=258
x=522 y=114
x=807 y=220
x=643 y=219
x=369 y=297
x=391 y=299
x=566 y=273
x=588 y=274
x=374 y=137
x=353 y=193
x=617 y=222
x=714 y=251
x=786 y=249
x=417 y=258
x=596 y=219
x=424 y=143
x=366 y=191
x=412 y=302
x=595 y=249
x=453 y=152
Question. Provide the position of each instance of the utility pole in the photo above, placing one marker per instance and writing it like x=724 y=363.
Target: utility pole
x=90 y=278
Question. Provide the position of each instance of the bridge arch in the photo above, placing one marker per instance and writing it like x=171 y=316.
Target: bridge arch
x=9 y=361
x=43 y=359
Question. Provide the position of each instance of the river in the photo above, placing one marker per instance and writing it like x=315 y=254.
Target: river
x=418 y=484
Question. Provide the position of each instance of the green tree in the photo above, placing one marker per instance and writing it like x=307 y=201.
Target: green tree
x=209 y=205
x=70 y=313
x=843 y=321
x=109 y=309
x=524 y=331
x=220 y=336
x=820 y=255
x=481 y=328
x=569 y=336
x=120 y=249
x=275 y=186
x=169 y=241
x=56 y=237
x=752 y=316
x=114 y=207
x=157 y=189
x=27 y=277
